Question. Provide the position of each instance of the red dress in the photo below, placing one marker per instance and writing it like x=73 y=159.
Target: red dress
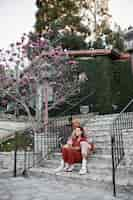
x=71 y=155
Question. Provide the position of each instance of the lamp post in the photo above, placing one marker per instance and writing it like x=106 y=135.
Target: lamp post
x=129 y=44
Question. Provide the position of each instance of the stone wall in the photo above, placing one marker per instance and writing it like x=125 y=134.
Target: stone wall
x=7 y=159
x=11 y=117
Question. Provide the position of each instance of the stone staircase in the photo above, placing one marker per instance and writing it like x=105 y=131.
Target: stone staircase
x=99 y=163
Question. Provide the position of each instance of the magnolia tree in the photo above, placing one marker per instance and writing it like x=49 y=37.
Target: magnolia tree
x=13 y=84
x=34 y=62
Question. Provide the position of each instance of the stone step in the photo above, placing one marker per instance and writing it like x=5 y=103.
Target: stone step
x=97 y=133
x=99 y=124
x=96 y=167
x=93 y=158
x=100 y=121
x=108 y=123
x=105 y=117
x=96 y=138
x=92 y=170
x=102 y=138
x=83 y=179
x=99 y=128
x=74 y=175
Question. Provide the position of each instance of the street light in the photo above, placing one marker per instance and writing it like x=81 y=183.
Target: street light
x=129 y=44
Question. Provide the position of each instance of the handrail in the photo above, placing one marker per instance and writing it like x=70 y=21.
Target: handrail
x=123 y=110
x=117 y=147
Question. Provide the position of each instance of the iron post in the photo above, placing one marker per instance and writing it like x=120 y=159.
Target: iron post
x=15 y=157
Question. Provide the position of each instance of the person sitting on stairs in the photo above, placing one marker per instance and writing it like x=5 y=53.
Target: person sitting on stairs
x=75 y=151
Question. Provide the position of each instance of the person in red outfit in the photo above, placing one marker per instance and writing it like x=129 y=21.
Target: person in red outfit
x=75 y=151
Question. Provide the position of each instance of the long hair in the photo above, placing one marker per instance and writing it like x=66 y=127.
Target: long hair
x=82 y=134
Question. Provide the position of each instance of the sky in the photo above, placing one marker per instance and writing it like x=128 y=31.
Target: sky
x=18 y=16
x=122 y=12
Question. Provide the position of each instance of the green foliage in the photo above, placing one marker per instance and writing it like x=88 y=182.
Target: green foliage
x=114 y=85
x=109 y=85
x=116 y=39
x=55 y=15
x=62 y=21
x=22 y=141
x=126 y=83
x=103 y=86
x=73 y=42
x=98 y=44
x=56 y=10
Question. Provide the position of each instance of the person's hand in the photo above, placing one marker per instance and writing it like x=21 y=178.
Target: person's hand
x=89 y=146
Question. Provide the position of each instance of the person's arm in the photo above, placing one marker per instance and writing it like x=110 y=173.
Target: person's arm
x=90 y=143
x=76 y=148
x=69 y=142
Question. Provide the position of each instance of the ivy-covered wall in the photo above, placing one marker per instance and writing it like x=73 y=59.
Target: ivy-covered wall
x=110 y=81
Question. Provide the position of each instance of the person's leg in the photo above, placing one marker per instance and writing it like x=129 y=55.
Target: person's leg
x=74 y=156
x=84 y=153
x=63 y=164
x=65 y=157
x=69 y=159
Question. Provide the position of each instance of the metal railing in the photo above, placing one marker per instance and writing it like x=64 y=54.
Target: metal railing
x=123 y=121
x=49 y=139
x=23 y=151
x=46 y=140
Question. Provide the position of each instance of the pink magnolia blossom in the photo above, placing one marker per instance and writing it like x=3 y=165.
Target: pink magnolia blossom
x=72 y=62
x=12 y=45
x=18 y=43
x=54 y=62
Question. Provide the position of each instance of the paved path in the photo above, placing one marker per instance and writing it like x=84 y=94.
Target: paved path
x=48 y=189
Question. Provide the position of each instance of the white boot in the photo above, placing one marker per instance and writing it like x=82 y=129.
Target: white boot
x=61 y=167
x=83 y=169
x=66 y=167
x=70 y=169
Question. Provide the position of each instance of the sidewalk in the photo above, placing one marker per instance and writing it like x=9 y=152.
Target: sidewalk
x=51 y=189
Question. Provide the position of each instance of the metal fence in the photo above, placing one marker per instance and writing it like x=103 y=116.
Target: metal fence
x=124 y=121
x=47 y=139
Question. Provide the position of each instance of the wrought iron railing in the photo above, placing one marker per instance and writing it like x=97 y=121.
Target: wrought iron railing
x=123 y=121
x=48 y=139
x=43 y=142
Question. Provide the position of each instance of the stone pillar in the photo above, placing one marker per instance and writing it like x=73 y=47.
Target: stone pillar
x=39 y=101
x=46 y=104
